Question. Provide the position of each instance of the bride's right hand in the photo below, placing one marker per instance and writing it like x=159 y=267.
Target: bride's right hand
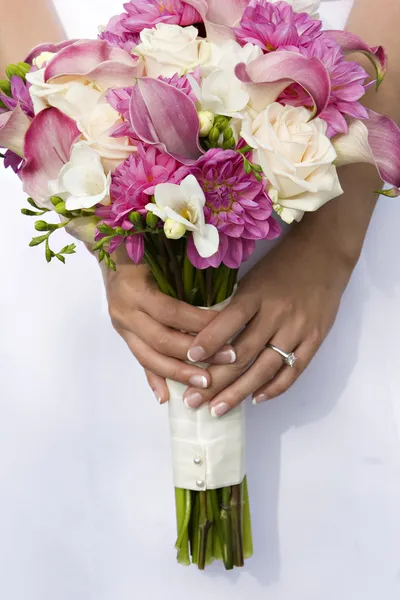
x=151 y=324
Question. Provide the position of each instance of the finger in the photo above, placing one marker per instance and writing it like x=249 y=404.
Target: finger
x=287 y=376
x=171 y=342
x=176 y=314
x=159 y=387
x=248 y=346
x=224 y=327
x=265 y=368
x=164 y=366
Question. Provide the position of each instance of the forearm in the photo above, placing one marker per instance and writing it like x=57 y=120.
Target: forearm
x=23 y=25
x=341 y=225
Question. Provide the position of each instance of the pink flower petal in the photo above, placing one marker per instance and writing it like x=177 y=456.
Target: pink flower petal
x=13 y=127
x=47 y=148
x=218 y=12
x=164 y=116
x=350 y=43
x=135 y=248
x=278 y=70
x=47 y=47
x=97 y=61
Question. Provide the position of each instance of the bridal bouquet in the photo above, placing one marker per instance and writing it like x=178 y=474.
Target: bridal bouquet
x=177 y=134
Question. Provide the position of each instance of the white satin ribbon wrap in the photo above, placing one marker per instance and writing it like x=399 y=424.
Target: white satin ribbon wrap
x=207 y=453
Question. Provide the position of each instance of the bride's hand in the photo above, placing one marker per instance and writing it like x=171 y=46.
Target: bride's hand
x=151 y=324
x=290 y=299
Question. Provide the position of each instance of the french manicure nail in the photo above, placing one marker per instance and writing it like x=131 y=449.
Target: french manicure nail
x=158 y=398
x=226 y=357
x=259 y=399
x=196 y=354
x=193 y=401
x=199 y=381
x=220 y=410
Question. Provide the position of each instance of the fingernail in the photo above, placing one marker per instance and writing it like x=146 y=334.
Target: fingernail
x=226 y=357
x=158 y=398
x=259 y=399
x=196 y=354
x=193 y=401
x=220 y=410
x=199 y=381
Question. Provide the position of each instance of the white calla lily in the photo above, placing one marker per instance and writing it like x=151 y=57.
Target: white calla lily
x=82 y=182
x=184 y=204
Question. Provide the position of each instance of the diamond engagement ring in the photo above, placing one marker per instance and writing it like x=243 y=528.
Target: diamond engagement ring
x=288 y=359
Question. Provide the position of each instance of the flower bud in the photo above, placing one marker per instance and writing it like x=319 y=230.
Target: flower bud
x=5 y=87
x=229 y=144
x=60 y=208
x=152 y=220
x=120 y=231
x=55 y=200
x=228 y=134
x=41 y=226
x=135 y=218
x=214 y=135
x=174 y=230
x=206 y=119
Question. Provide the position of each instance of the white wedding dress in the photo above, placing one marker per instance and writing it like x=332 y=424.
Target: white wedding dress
x=86 y=496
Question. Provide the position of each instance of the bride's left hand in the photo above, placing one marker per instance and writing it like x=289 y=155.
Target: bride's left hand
x=290 y=299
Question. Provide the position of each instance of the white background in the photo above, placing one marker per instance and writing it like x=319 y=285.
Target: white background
x=86 y=496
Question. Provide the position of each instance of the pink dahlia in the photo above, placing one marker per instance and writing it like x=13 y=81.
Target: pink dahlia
x=132 y=186
x=124 y=30
x=348 y=81
x=237 y=204
x=275 y=26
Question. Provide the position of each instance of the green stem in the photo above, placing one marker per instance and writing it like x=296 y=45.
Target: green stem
x=204 y=527
x=236 y=515
x=184 y=509
x=226 y=528
x=210 y=539
x=247 y=535
x=195 y=530
x=218 y=536
x=175 y=268
x=188 y=278
x=232 y=281
x=209 y=286
x=159 y=276
x=222 y=291
x=200 y=284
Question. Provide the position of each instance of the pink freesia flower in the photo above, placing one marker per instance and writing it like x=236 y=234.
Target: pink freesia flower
x=275 y=26
x=237 y=204
x=124 y=30
x=347 y=86
x=19 y=95
x=132 y=187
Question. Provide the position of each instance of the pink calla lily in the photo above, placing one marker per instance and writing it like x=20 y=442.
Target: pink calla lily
x=164 y=116
x=219 y=17
x=351 y=43
x=48 y=143
x=47 y=47
x=13 y=127
x=275 y=71
x=375 y=140
x=94 y=60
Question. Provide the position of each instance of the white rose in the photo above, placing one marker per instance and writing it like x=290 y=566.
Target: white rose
x=82 y=182
x=169 y=49
x=296 y=157
x=73 y=98
x=310 y=7
x=96 y=126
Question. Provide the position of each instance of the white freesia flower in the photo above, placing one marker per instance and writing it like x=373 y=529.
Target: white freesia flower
x=82 y=182
x=73 y=98
x=169 y=49
x=220 y=91
x=42 y=59
x=184 y=204
x=296 y=156
x=308 y=6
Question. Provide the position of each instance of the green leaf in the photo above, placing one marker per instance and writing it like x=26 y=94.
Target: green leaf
x=101 y=243
x=38 y=240
x=71 y=249
x=60 y=258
